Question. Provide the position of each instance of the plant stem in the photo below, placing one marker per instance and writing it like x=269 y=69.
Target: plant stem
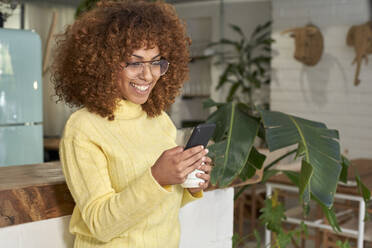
x=245 y=237
x=241 y=190
x=278 y=159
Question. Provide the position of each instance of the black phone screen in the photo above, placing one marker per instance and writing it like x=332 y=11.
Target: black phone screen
x=201 y=135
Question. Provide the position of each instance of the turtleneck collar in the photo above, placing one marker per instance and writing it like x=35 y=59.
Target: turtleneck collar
x=127 y=110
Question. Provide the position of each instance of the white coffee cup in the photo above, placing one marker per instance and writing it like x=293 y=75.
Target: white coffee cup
x=192 y=181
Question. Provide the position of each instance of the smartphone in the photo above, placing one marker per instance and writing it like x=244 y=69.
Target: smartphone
x=201 y=135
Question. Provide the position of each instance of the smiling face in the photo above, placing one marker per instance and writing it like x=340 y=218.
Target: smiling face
x=137 y=90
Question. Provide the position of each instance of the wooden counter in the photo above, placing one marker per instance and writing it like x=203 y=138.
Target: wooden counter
x=33 y=192
x=38 y=192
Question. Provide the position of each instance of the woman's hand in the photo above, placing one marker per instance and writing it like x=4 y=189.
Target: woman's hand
x=207 y=168
x=173 y=165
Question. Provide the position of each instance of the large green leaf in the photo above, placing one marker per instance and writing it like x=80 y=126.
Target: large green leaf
x=210 y=103
x=365 y=193
x=255 y=161
x=345 y=163
x=305 y=177
x=317 y=145
x=362 y=189
x=234 y=136
x=221 y=117
x=267 y=174
x=328 y=212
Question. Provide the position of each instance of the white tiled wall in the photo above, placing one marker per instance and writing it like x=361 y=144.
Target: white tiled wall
x=325 y=92
x=38 y=16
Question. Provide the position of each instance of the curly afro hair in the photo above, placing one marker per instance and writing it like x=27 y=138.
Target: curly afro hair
x=88 y=54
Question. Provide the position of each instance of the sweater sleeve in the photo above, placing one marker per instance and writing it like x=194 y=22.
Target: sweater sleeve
x=188 y=197
x=105 y=212
x=171 y=128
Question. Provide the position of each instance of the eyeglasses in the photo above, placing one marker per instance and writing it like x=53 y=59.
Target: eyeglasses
x=158 y=68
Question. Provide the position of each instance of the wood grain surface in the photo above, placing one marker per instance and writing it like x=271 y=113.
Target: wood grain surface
x=33 y=192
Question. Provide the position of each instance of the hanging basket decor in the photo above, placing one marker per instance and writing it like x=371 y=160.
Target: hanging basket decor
x=360 y=37
x=309 y=44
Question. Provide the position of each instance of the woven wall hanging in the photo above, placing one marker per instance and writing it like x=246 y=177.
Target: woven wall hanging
x=360 y=37
x=308 y=42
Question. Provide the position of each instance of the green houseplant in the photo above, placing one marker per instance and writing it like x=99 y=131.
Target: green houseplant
x=246 y=63
x=239 y=123
x=86 y=5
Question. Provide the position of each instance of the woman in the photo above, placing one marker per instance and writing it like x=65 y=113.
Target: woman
x=124 y=63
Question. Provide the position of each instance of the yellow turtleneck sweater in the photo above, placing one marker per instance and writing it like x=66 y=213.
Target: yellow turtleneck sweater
x=107 y=165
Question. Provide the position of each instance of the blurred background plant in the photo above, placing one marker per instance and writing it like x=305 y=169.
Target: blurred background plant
x=272 y=216
x=86 y=5
x=246 y=64
x=7 y=8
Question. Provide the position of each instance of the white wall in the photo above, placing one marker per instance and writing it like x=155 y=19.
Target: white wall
x=325 y=92
x=206 y=223
x=38 y=16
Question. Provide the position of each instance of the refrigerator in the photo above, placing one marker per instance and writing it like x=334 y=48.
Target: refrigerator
x=21 y=126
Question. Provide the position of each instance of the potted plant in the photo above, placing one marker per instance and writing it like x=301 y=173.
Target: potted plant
x=246 y=65
x=239 y=124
